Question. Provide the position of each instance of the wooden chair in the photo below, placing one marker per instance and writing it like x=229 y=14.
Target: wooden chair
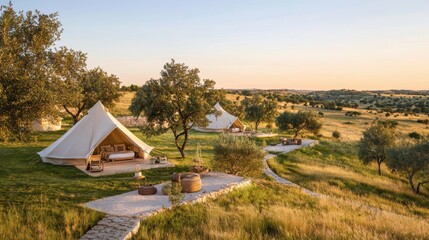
x=96 y=163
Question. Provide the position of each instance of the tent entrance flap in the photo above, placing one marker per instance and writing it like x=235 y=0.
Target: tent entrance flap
x=115 y=137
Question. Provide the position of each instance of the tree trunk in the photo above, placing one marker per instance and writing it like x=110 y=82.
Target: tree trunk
x=75 y=116
x=379 y=167
x=75 y=119
x=418 y=186
x=296 y=134
x=176 y=141
x=181 y=147
x=410 y=180
x=256 y=125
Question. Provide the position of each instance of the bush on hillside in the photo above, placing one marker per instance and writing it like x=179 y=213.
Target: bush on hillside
x=415 y=135
x=353 y=113
x=336 y=134
x=237 y=155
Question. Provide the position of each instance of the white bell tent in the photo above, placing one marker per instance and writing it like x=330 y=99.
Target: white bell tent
x=97 y=128
x=222 y=122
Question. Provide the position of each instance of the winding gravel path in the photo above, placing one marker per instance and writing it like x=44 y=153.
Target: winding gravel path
x=285 y=149
x=309 y=143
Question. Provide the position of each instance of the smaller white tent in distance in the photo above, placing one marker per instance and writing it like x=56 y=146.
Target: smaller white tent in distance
x=222 y=122
x=97 y=128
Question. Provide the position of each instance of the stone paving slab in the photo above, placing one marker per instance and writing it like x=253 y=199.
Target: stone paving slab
x=132 y=204
x=287 y=148
x=113 y=227
x=126 y=210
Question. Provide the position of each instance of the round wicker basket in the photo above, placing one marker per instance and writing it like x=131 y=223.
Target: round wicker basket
x=191 y=182
x=147 y=190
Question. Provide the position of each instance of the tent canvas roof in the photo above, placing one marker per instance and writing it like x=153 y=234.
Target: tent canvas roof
x=80 y=141
x=224 y=120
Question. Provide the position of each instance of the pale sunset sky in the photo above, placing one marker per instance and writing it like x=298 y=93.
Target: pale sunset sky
x=319 y=44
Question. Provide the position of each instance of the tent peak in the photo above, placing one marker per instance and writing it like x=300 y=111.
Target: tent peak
x=99 y=106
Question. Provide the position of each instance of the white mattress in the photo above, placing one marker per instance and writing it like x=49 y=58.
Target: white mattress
x=119 y=155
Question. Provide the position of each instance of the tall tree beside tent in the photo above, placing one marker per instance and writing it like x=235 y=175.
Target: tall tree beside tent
x=28 y=70
x=91 y=86
x=175 y=102
x=257 y=109
x=375 y=142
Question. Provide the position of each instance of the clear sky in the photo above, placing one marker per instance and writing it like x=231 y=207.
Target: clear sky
x=301 y=44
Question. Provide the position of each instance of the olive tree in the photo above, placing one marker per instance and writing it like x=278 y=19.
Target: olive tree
x=412 y=161
x=299 y=122
x=176 y=102
x=237 y=155
x=28 y=70
x=88 y=87
x=257 y=109
x=375 y=142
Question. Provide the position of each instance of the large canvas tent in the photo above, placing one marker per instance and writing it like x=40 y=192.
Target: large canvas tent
x=97 y=128
x=222 y=121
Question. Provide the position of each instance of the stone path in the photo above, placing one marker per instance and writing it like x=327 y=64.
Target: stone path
x=285 y=149
x=113 y=227
x=125 y=211
x=310 y=143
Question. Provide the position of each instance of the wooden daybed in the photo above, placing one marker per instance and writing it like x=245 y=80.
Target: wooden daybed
x=116 y=152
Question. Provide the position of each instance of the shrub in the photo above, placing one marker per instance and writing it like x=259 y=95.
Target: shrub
x=237 y=155
x=425 y=121
x=175 y=195
x=321 y=114
x=264 y=143
x=353 y=113
x=336 y=134
x=415 y=135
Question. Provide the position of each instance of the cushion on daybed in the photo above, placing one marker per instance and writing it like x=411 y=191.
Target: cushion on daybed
x=119 y=147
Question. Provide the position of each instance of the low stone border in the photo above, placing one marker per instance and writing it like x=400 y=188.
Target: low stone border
x=113 y=227
x=123 y=228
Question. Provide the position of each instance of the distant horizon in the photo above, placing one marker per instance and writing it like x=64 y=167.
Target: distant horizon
x=313 y=45
x=292 y=89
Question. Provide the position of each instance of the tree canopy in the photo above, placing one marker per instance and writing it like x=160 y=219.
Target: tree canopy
x=82 y=92
x=411 y=160
x=375 y=142
x=175 y=102
x=257 y=109
x=36 y=76
x=28 y=70
x=299 y=122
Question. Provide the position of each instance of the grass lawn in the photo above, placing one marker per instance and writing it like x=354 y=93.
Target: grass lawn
x=43 y=201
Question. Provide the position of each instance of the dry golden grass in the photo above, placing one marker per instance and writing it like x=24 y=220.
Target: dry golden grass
x=332 y=168
x=351 y=128
x=121 y=107
x=272 y=211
